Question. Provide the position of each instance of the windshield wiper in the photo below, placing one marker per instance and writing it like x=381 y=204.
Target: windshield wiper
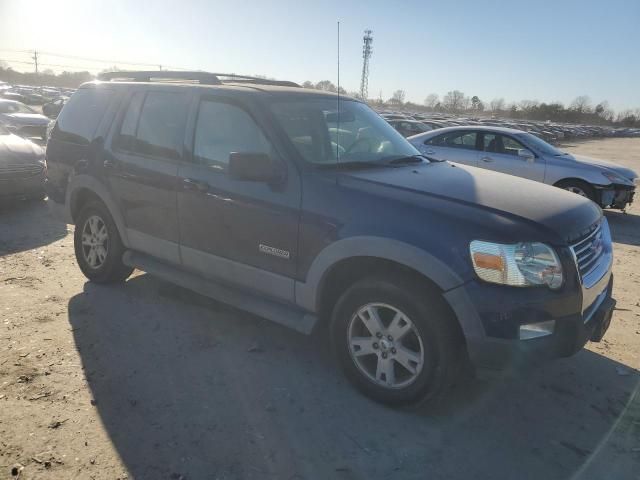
x=353 y=164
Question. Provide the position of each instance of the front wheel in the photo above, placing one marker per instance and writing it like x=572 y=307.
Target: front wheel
x=396 y=343
x=579 y=188
x=98 y=246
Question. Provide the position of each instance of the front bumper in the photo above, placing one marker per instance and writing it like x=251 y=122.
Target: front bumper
x=22 y=187
x=491 y=316
x=616 y=196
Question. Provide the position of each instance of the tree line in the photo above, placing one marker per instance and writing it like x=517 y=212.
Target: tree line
x=580 y=110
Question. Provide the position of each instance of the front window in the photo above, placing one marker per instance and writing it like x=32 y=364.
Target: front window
x=539 y=145
x=14 y=107
x=323 y=137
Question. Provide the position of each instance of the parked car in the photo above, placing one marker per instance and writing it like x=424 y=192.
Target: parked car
x=22 y=167
x=524 y=155
x=52 y=109
x=235 y=188
x=408 y=128
x=22 y=120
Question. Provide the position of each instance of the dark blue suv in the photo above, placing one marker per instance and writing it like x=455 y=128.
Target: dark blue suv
x=307 y=208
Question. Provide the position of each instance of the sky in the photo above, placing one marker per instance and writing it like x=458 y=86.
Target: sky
x=545 y=50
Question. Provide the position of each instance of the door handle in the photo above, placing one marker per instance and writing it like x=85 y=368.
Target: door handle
x=197 y=185
x=487 y=159
x=429 y=151
x=109 y=164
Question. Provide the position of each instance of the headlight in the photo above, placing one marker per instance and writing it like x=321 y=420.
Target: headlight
x=519 y=265
x=616 y=178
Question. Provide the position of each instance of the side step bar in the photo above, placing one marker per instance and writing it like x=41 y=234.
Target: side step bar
x=289 y=316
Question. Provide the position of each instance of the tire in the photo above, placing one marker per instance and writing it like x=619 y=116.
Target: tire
x=431 y=335
x=578 y=187
x=105 y=264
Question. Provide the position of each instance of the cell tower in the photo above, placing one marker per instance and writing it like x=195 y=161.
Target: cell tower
x=366 y=55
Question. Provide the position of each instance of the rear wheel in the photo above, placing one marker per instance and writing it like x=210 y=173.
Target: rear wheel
x=396 y=342
x=98 y=246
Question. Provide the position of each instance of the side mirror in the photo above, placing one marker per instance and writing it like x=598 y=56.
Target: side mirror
x=527 y=155
x=252 y=167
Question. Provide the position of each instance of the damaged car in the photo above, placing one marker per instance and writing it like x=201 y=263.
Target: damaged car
x=523 y=154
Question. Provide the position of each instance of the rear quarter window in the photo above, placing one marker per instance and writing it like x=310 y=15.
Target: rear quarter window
x=80 y=117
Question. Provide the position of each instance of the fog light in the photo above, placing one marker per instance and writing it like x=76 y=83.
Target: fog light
x=535 y=330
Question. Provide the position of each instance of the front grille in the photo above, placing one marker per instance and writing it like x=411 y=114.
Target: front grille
x=8 y=172
x=32 y=131
x=588 y=250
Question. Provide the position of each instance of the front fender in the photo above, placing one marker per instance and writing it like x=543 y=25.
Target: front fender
x=556 y=172
x=83 y=181
x=306 y=293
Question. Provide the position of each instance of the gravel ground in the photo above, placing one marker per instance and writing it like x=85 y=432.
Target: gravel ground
x=149 y=381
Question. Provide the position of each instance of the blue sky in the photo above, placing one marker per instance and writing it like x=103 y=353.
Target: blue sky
x=539 y=50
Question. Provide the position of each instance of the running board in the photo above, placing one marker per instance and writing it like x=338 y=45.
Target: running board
x=277 y=312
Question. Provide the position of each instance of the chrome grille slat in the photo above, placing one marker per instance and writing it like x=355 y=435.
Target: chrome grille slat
x=586 y=258
x=20 y=171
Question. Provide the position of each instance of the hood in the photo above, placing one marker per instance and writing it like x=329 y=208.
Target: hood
x=511 y=200
x=27 y=119
x=15 y=149
x=596 y=162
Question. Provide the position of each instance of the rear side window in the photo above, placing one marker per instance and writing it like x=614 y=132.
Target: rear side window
x=80 y=117
x=154 y=124
x=464 y=140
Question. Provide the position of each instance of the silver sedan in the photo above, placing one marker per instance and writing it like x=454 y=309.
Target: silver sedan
x=522 y=154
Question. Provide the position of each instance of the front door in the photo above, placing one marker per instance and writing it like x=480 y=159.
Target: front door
x=500 y=154
x=245 y=232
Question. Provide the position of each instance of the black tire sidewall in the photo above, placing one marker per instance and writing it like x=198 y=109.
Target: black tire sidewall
x=429 y=317
x=584 y=186
x=112 y=269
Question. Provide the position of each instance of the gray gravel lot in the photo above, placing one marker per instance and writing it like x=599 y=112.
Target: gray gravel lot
x=149 y=381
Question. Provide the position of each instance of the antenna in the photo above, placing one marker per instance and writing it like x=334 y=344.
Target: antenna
x=366 y=54
x=338 y=98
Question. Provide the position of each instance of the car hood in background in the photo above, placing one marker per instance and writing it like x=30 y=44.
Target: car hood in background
x=27 y=119
x=565 y=214
x=596 y=162
x=16 y=149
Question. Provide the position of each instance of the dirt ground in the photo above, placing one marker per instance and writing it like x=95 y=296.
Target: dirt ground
x=148 y=381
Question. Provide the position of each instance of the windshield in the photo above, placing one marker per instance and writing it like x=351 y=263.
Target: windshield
x=357 y=134
x=14 y=107
x=540 y=145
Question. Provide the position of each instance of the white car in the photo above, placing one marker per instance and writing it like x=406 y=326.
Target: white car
x=22 y=120
x=524 y=155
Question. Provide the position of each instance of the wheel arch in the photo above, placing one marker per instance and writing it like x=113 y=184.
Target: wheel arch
x=349 y=260
x=84 y=188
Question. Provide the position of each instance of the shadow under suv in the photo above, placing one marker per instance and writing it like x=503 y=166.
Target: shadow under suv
x=305 y=208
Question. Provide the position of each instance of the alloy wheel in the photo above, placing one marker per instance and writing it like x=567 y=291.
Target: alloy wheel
x=385 y=345
x=95 y=241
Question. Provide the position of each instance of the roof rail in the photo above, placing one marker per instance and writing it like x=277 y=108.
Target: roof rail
x=233 y=78
x=205 y=78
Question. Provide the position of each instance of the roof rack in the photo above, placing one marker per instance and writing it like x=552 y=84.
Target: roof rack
x=233 y=78
x=204 y=78
x=161 y=75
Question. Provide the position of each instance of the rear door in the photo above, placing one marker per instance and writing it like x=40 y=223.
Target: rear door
x=500 y=154
x=238 y=231
x=142 y=168
x=458 y=146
